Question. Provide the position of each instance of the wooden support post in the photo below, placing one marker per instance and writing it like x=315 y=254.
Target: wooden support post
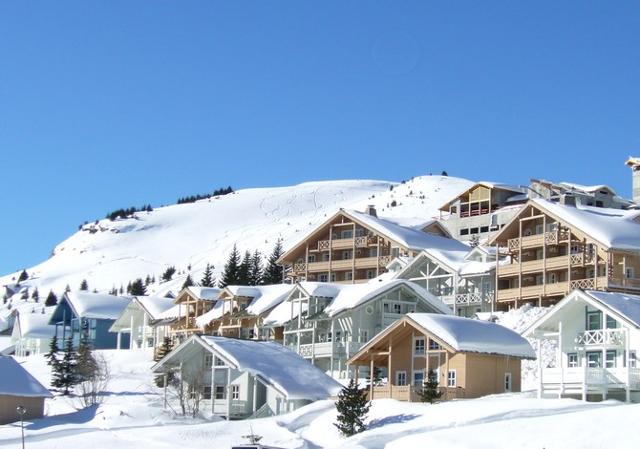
x=228 y=393
x=560 y=361
x=389 y=369
x=371 y=377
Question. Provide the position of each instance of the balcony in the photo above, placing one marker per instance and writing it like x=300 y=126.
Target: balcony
x=551 y=289
x=324 y=349
x=362 y=241
x=609 y=337
x=464 y=299
x=410 y=393
x=537 y=240
x=553 y=378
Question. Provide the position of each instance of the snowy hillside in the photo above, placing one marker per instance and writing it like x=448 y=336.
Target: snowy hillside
x=111 y=253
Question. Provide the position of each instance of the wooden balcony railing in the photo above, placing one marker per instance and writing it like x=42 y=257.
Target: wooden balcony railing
x=411 y=393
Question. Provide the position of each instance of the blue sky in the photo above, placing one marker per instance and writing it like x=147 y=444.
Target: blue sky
x=111 y=104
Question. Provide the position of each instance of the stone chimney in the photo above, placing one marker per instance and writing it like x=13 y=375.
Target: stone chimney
x=371 y=210
x=634 y=163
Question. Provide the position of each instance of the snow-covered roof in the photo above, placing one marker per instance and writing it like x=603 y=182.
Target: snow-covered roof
x=17 y=381
x=170 y=314
x=586 y=189
x=468 y=335
x=286 y=371
x=614 y=228
x=489 y=184
x=349 y=296
x=155 y=306
x=628 y=306
x=35 y=325
x=214 y=313
x=205 y=293
x=411 y=238
x=95 y=305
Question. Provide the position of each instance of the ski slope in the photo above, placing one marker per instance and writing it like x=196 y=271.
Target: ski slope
x=111 y=253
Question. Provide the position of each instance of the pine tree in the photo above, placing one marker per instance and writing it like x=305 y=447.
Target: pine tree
x=168 y=274
x=137 y=288
x=164 y=349
x=84 y=285
x=52 y=355
x=231 y=268
x=51 y=300
x=86 y=366
x=188 y=282
x=65 y=374
x=245 y=269
x=35 y=295
x=429 y=392
x=255 y=269
x=352 y=407
x=23 y=276
x=207 y=277
x=273 y=273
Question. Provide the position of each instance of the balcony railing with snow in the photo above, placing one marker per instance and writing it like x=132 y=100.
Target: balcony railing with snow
x=591 y=376
x=610 y=337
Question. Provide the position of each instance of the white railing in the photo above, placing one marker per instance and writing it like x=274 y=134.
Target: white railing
x=601 y=337
x=324 y=349
x=590 y=376
x=469 y=298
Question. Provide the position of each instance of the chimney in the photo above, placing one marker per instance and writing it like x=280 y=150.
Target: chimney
x=371 y=210
x=634 y=164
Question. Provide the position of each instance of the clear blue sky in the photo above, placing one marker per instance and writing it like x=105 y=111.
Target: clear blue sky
x=111 y=104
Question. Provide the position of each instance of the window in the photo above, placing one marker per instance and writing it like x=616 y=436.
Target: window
x=629 y=273
x=311 y=258
x=333 y=277
x=329 y=337
x=346 y=255
x=219 y=361
x=395 y=252
x=611 y=358
x=539 y=229
x=594 y=359
x=484 y=229
x=453 y=209
x=348 y=276
x=338 y=336
x=572 y=360
x=364 y=335
x=594 y=320
x=464 y=231
x=433 y=345
x=451 y=378
x=632 y=359
x=220 y=392
x=397 y=308
x=401 y=378
x=611 y=322
x=235 y=392
x=418 y=377
x=373 y=252
x=418 y=346
x=473 y=230
x=507 y=382
x=206 y=392
x=346 y=234
x=371 y=274
x=208 y=361
x=326 y=257
x=323 y=278
x=553 y=278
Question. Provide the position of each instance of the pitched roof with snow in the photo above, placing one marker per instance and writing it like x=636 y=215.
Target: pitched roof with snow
x=490 y=185
x=614 y=228
x=155 y=306
x=35 y=325
x=468 y=335
x=628 y=306
x=205 y=293
x=98 y=306
x=264 y=297
x=208 y=317
x=17 y=381
x=286 y=371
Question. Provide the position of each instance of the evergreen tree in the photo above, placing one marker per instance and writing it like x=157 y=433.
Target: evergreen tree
x=52 y=355
x=273 y=273
x=352 y=407
x=245 y=269
x=65 y=374
x=51 y=300
x=164 y=349
x=23 y=276
x=207 y=278
x=86 y=366
x=231 y=269
x=168 y=274
x=188 y=282
x=84 y=285
x=444 y=173
x=429 y=392
x=137 y=288
x=121 y=291
x=255 y=269
x=35 y=295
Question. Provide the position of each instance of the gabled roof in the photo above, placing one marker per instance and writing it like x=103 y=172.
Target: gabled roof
x=489 y=185
x=200 y=293
x=409 y=237
x=623 y=306
x=264 y=297
x=275 y=365
x=154 y=306
x=97 y=306
x=612 y=228
x=459 y=334
x=35 y=325
x=345 y=297
x=17 y=381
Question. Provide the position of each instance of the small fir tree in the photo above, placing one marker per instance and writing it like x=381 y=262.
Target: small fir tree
x=51 y=300
x=352 y=407
x=138 y=288
x=35 y=295
x=84 y=285
x=188 y=282
x=23 y=276
x=244 y=270
x=164 y=349
x=231 y=269
x=86 y=365
x=429 y=392
x=54 y=349
x=255 y=268
x=273 y=273
x=168 y=274
x=207 y=277
x=65 y=374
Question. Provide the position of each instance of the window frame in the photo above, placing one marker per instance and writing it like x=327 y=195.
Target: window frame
x=452 y=378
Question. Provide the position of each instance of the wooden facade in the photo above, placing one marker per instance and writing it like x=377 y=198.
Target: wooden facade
x=191 y=306
x=550 y=257
x=406 y=353
x=346 y=250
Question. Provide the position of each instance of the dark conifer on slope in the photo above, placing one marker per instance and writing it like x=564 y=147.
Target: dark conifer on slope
x=352 y=407
x=273 y=273
x=51 y=300
x=255 y=269
x=231 y=269
x=207 y=277
x=244 y=270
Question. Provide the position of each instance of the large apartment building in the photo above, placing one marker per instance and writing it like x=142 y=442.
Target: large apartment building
x=352 y=247
x=566 y=192
x=554 y=248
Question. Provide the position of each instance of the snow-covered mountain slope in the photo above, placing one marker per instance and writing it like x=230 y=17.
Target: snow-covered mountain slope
x=111 y=253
